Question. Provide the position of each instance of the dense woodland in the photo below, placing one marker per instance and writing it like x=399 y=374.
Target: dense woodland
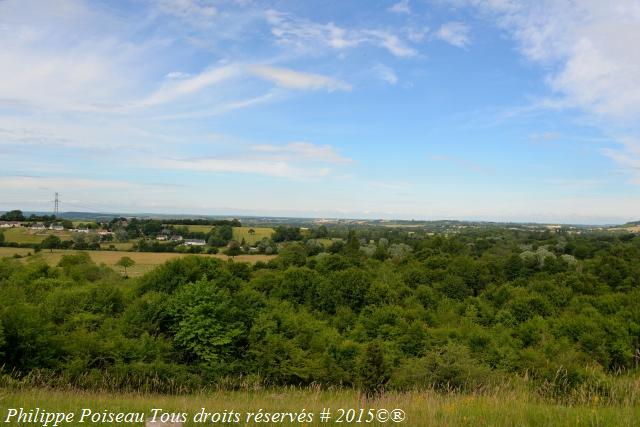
x=381 y=310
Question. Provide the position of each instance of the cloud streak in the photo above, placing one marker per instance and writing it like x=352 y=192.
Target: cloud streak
x=297 y=80
x=311 y=37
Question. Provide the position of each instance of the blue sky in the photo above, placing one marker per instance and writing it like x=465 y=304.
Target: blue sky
x=426 y=109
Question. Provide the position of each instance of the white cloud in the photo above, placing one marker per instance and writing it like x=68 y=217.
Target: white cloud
x=627 y=157
x=401 y=7
x=590 y=48
x=187 y=86
x=385 y=73
x=454 y=33
x=290 y=79
x=193 y=11
x=312 y=37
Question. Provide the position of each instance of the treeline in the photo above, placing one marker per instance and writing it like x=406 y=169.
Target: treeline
x=201 y=221
x=454 y=313
x=17 y=215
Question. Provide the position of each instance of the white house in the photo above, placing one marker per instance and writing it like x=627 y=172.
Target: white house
x=194 y=242
x=38 y=226
x=9 y=224
x=56 y=227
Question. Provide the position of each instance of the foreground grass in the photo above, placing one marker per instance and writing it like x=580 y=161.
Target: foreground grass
x=425 y=408
x=145 y=261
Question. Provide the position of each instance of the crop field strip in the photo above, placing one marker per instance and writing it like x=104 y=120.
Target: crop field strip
x=145 y=261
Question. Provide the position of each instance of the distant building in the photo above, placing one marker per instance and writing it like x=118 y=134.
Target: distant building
x=194 y=242
x=161 y=237
x=38 y=226
x=9 y=224
x=56 y=227
x=105 y=233
x=176 y=238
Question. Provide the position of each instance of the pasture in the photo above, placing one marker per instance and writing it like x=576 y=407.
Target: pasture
x=145 y=261
x=26 y=235
x=424 y=408
x=258 y=234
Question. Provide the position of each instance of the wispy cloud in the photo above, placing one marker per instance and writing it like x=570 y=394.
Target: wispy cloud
x=174 y=89
x=312 y=37
x=385 y=73
x=304 y=151
x=401 y=7
x=279 y=169
x=462 y=163
x=627 y=157
x=295 y=160
x=454 y=33
x=297 y=80
x=55 y=183
x=192 y=11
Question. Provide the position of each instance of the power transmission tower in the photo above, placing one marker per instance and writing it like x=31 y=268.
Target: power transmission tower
x=55 y=206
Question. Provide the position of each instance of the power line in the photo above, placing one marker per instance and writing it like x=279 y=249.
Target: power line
x=55 y=206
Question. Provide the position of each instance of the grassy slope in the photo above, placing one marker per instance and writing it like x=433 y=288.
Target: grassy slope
x=145 y=261
x=422 y=408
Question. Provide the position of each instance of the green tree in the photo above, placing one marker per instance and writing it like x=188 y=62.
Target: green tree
x=125 y=262
x=14 y=215
x=51 y=242
x=373 y=370
x=233 y=249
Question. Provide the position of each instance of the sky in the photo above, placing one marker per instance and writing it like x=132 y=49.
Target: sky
x=496 y=110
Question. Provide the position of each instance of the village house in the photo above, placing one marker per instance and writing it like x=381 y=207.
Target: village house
x=9 y=224
x=161 y=237
x=194 y=242
x=38 y=226
x=56 y=227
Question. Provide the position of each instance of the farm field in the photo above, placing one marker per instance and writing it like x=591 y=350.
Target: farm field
x=26 y=235
x=426 y=408
x=145 y=261
x=239 y=233
x=120 y=246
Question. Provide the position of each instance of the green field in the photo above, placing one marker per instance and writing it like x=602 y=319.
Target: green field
x=145 y=261
x=239 y=233
x=421 y=408
x=26 y=235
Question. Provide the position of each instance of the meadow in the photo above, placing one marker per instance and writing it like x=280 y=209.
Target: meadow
x=145 y=261
x=422 y=408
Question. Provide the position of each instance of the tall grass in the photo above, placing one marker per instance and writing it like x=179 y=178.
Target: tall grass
x=518 y=402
